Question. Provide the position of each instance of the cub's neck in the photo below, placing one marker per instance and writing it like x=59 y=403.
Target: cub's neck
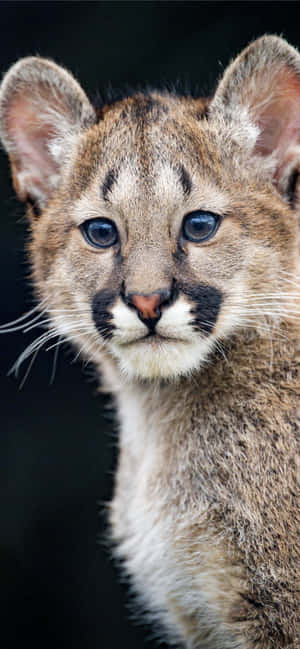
x=230 y=424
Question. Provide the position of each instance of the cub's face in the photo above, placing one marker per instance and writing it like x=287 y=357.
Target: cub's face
x=156 y=254
x=164 y=227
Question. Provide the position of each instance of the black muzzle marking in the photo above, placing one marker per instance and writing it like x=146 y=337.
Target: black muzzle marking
x=102 y=316
x=207 y=302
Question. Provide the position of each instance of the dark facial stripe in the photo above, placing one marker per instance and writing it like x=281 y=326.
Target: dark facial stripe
x=206 y=301
x=185 y=180
x=101 y=314
x=108 y=183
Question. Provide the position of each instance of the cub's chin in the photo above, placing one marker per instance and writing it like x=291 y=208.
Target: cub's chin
x=161 y=358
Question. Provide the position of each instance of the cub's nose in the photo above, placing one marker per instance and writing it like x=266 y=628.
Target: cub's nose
x=148 y=306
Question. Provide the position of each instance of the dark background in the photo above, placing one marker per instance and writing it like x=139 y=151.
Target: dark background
x=58 y=585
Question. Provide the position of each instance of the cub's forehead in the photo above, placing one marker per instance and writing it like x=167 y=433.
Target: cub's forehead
x=146 y=149
x=143 y=128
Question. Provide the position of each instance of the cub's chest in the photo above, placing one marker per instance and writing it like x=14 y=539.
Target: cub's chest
x=178 y=565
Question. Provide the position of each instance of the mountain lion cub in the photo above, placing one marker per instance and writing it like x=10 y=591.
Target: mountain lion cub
x=165 y=246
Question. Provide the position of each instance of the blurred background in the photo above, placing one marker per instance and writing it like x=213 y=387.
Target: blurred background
x=59 y=587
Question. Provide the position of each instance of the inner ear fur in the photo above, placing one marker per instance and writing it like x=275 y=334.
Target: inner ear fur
x=263 y=83
x=41 y=107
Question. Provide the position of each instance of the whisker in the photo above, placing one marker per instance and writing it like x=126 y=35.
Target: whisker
x=41 y=340
x=74 y=310
x=19 y=323
x=39 y=316
x=28 y=369
x=78 y=329
x=289 y=281
x=55 y=357
x=285 y=272
x=283 y=317
x=273 y=304
x=20 y=327
x=259 y=310
x=37 y=324
x=24 y=316
x=81 y=350
x=220 y=348
x=36 y=344
x=261 y=328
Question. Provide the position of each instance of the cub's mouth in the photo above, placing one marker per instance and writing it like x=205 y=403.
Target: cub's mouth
x=157 y=357
x=155 y=339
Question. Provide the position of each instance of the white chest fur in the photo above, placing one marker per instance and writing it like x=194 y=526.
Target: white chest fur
x=176 y=563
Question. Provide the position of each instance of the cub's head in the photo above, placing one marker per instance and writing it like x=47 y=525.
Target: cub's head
x=164 y=225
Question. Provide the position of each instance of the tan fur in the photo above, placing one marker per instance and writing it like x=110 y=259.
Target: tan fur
x=205 y=514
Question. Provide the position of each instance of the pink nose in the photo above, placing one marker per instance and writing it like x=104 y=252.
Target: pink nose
x=147 y=305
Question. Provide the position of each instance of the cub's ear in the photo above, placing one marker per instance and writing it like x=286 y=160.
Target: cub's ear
x=41 y=108
x=263 y=86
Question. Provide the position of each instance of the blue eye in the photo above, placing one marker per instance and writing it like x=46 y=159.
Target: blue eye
x=200 y=225
x=100 y=233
